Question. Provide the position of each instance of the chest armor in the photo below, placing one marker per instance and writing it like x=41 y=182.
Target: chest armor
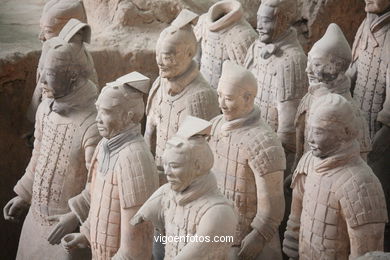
x=104 y=216
x=51 y=171
x=173 y=110
x=370 y=88
x=235 y=178
x=266 y=99
x=323 y=232
x=213 y=56
x=184 y=220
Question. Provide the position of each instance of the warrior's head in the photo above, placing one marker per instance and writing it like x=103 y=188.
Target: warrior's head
x=65 y=69
x=332 y=125
x=176 y=46
x=377 y=6
x=237 y=89
x=120 y=104
x=329 y=57
x=56 y=13
x=187 y=155
x=274 y=18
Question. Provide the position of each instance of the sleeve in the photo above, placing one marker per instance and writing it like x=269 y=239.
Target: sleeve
x=137 y=177
x=238 y=40
x=80 y=204
x=203 y=104
x=24 y=186
x=384 y=114
x=250 y=56
x=90 y=140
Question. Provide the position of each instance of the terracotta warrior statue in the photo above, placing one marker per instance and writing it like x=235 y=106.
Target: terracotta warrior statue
x=122 y=177
x=338 y=209
x=370 y=73
x=224 y=34
x=190 y=210
x=327 y=63
x=249 y=165
x=65 y=139
x=180 y=90
x=56 y=13
x=76 y=33
x=278 y=62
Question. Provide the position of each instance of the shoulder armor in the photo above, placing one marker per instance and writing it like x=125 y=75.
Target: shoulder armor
x=137 y=173
x=237 y=41
x=361 y=196
x=266 y=154
x=203 y=104
x=305 y=165
x=292 y=77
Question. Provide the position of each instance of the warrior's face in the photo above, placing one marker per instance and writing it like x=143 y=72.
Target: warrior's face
x=324 y=139
x=111 y=120
x=173 y=59
x=233 y=101
x=322 y=69
x=179 y=168
x=55 y=77
x=377 y=6
x=271 y=24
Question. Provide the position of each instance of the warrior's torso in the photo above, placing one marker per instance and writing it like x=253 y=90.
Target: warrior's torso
x=187 y=221
x=196 y=99
x=371 y=54
x=235 y=163
x=280 y=76
x=119 y=187
x=60 y=171
x=228 y=42
x=331 y=194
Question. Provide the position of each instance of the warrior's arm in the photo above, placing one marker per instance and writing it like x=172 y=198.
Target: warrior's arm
x=150 y=134
x=299 y=139
x=286 y=128
x=218 y=222
x=366 y=238
x=270 y=204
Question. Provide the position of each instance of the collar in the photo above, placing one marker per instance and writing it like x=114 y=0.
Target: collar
x=247 y=120
x=177 y=85
x=338 y=86
x=267 y=50
x=79 y=99
x=199 y=187
x=377 y=22
x=232 y=14
x=350 y=152
x=110 y=147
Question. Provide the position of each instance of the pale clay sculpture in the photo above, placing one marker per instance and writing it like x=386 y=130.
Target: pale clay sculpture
x=190 y=204
x=122 y=177
x=180 y=90
x=249 y=165
x=370 y=73
x=338 y=209
x=327 y=63
x=278 y=62
x=76 y=33
x=224 y=34
x=56 y=13
x=65 y=139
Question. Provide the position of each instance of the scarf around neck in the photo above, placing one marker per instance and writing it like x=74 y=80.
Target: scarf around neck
x=249 y=119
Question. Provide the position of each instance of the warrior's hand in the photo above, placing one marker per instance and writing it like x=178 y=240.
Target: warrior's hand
x=15 y=209
x=121 y=256
x=291 y=243
x=251 y=245
x=137 y=219
x=380 y=143
x=67 y=223
x=73 y=241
